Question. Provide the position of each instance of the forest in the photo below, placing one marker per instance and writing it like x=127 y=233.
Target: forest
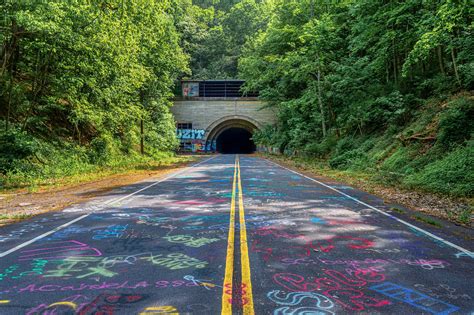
x=382 y=87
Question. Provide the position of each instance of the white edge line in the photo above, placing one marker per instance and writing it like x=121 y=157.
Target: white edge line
x=42 y=235
x=467 y=252
x=107 y=203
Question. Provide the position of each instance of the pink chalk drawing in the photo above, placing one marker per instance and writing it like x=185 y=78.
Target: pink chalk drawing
x=339 y=287
x=59 y=250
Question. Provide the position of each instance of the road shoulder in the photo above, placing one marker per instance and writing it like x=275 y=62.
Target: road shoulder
x=16 y=206
x=420 y=214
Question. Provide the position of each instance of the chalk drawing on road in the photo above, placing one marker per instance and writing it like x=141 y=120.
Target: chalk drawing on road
x=414 y=298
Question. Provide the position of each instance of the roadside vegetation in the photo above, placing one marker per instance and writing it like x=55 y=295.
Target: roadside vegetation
x=78 y=80
x=69 y=168
x=379 y=88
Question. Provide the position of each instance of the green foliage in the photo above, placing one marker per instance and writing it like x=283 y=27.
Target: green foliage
x=74 y=164
x=399 y=161
x=348 y=158
x=15 y=145
x=367 y=83
x=465 y=216
x=356 y=83
x=77 y=78
x=452 y=175
x=102 y=148
x=321 y=149
x=214 y=33
x=455 y=124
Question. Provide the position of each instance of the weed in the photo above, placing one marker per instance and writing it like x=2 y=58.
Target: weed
x=397 y=210
x=15 y=216
x=427 y=220
x=465 y=216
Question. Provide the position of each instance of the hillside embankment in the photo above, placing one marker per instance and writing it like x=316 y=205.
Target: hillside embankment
x=428 y=165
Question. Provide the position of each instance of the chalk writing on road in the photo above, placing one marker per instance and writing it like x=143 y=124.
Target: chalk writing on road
x=58 y=250
x=292 y=300
x=165 y=309
x=66 y=233
x=442 y=291
x=64 y=306
x=104 y=285
x=339 y=287
x=80 y=267
x=17 y=233
x=112 y=231
x=176 y=261
x=414 y=298
x=37 y=267
x=428 y=264
x=190 y=240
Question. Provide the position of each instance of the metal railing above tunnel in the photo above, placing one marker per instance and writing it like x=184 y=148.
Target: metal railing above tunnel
x=215 y=89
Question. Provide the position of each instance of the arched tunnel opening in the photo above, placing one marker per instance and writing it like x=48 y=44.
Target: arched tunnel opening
x=235 y=141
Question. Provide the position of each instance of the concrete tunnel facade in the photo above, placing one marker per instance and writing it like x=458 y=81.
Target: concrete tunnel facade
x=219 y=124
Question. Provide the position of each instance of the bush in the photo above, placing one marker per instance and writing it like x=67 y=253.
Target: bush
x=15 y=146
x=399 y=161
x=321 y=149
x=453 y=175
x=355 y=158
x=103 y=149
x=455 y=124
x=344 y=145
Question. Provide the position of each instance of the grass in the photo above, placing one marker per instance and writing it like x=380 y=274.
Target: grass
x=321 y=167
x=465 y=216
x=397 y=210
x=71 y=173
x=14 y=217
x=426 y=220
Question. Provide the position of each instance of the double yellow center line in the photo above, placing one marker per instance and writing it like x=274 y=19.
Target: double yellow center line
x=245 y=289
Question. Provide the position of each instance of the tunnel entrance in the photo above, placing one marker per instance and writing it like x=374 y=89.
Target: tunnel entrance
x=235 y=141
x=233 y=134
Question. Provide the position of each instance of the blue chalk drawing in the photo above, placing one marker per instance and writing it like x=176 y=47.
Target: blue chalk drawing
x=318 y=221
x=253 y=179
x=219 y=180
x=414 y=298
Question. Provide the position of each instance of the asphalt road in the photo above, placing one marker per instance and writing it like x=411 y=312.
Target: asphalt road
x=232 y=235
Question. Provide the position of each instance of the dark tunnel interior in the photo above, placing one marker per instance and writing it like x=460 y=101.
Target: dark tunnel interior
x=235 y=141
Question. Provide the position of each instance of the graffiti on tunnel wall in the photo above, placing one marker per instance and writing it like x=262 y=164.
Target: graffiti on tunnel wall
x=192 y=140
x=190 y=134
x=199 y=146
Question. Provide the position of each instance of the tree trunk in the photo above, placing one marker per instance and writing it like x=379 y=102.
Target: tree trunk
x=34 y=91
x=10 y=50
x=455 y=66
x=440 y=59
x=142 y=145
x=7 y=122
x=395 y=77
x=320 y=101
x=38 y=85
